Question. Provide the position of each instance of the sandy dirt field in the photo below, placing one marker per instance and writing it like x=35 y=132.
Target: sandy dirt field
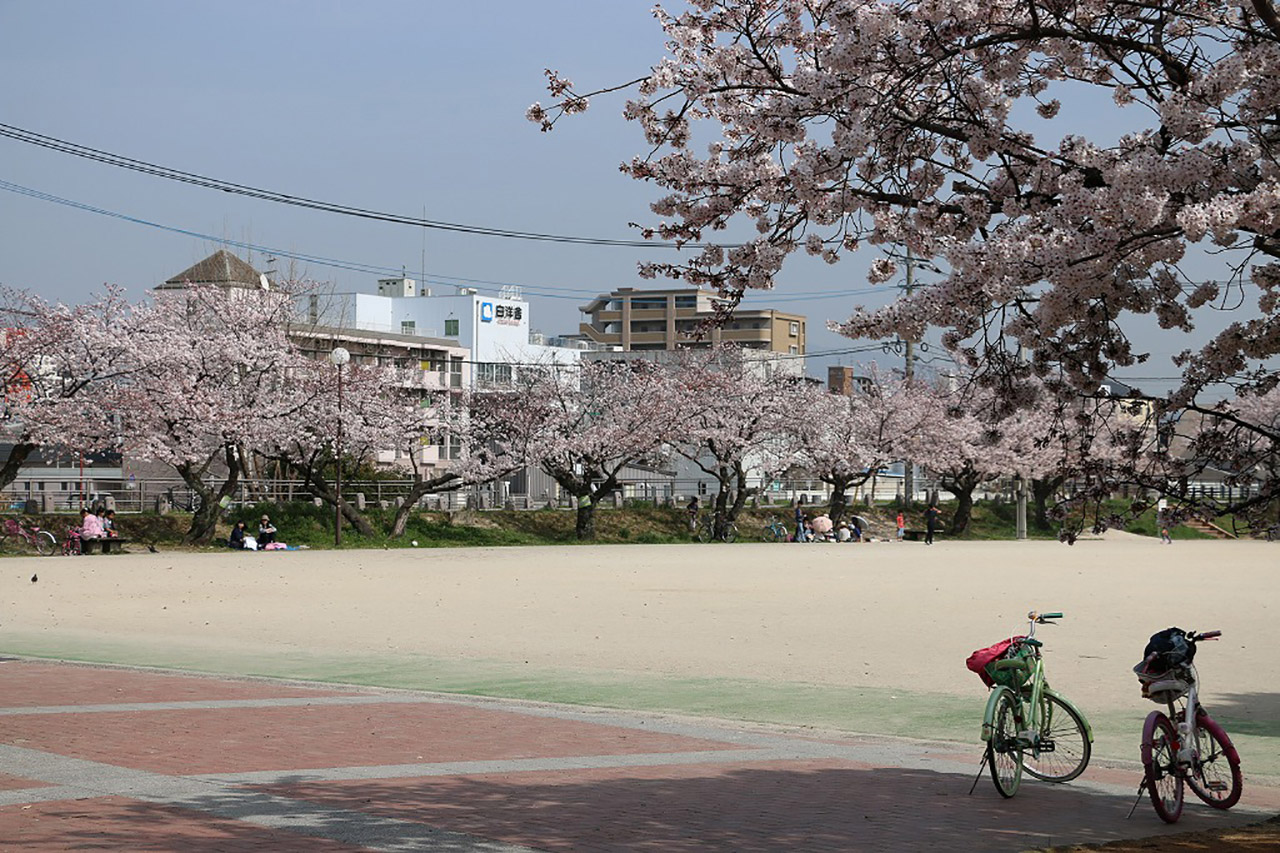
x=879 y=616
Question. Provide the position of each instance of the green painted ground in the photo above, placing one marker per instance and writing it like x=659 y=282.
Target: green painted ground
x=906 y=713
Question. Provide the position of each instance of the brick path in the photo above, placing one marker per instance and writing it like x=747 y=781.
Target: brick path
x=108 y=758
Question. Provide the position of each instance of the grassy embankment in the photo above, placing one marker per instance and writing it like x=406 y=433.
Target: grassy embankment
x=311 y=526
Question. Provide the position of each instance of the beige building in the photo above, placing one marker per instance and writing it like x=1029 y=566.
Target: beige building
x=666 y=319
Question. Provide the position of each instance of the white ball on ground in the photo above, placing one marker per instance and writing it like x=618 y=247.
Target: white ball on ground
x=414 y=543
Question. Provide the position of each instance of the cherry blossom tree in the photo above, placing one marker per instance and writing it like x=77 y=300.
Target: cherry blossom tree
x=582 y=425
x=841 y=125
x=980 y=441
x=55 y=361
x=733 y=416
x=845 y=440
x=211 y=375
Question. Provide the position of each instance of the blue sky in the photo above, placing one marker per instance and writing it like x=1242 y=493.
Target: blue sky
x=396 y=106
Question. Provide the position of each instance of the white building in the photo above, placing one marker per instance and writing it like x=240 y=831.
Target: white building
x=495 y=330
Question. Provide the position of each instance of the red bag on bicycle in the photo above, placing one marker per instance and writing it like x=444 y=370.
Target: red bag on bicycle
x=982 y=658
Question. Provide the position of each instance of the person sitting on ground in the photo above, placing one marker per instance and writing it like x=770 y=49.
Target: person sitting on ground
x=266 y=531
x=822 y=526
x=91 y=526
x=843 y=534
x=236 y=540
x=856 y=531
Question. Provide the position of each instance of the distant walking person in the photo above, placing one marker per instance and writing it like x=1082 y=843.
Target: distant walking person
x=800 y=524
x=692 y=510
x=930 y=523
x=902 y=527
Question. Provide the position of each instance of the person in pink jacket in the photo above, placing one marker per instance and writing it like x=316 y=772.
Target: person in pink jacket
x=91 y=527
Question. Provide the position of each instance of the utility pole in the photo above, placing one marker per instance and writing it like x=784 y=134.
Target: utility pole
x=909 y=372
x=1021 y=484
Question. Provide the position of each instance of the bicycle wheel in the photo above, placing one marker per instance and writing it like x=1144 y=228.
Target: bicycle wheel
x=1062 y=730
x=1006 y=755
x=704 y=533
x=730 y=532
x=46 y=544
x=1160 y=761
x=6 y=543
x=1215 y=777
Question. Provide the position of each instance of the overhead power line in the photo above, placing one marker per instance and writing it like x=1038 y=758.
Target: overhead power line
x=541 y=290
x=51 y=143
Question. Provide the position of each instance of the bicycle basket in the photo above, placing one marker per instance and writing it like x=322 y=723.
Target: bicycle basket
x=12 y=527
x=1017 y=676
x=983 y=662
x=1161 y=684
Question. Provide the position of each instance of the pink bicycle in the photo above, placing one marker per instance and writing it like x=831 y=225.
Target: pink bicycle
x=1186 y=745
x=14 y=536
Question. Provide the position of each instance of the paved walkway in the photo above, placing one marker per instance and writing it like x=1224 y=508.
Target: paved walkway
x=113 y=758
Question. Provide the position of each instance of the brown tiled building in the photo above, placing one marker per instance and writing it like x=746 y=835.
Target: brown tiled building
x=666 y=319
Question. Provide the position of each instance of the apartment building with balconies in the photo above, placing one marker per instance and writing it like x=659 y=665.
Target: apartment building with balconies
x=634 y=320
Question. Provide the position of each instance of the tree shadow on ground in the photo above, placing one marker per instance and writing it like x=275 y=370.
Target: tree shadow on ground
x=675 y=808
x=758 y=809
x=1247 y=713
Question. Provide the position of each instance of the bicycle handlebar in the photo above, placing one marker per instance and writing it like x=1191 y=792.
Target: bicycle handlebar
x=1040 y=618
x=1203 y=635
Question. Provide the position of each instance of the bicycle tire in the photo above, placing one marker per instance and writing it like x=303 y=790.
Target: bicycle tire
x=704 y=533
x=1006 y=755
x=730 y=533
x=1206 y=774
x=5 y=544
x=46 y=544
x=1163 y=779
x=1070 y=739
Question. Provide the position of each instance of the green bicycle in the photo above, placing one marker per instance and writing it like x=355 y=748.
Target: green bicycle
x=1027 y=724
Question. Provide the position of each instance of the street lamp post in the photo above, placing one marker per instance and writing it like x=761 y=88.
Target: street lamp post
x=339 y=357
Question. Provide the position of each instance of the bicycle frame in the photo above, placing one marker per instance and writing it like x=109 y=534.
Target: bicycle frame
x=1029 y=700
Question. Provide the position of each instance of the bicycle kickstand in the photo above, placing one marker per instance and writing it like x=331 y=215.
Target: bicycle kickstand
x=1142 y=789
x=986 y=756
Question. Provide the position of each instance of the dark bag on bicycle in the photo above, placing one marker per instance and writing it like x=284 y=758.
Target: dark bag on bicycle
x=1168 y=649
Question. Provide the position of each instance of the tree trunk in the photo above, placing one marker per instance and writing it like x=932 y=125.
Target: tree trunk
x=964 y=510
x=17 y=456
x=419 y=490
x=584 y=526
x=838 y=500
x=321 y=488
x=204 y=521
x=1041 y=492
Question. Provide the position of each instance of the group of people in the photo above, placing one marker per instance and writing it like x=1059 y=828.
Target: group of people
x=242 y=541
x=820 y=528
x=99 y=524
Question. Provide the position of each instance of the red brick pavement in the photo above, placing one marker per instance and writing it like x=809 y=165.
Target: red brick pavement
x=119 y=823
x=681 y=797
x=254 y=739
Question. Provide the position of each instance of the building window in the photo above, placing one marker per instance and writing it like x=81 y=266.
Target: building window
x=451 y=328
x=793 y=349
x=408 y=327
x=795 y=330
x=455 y=373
